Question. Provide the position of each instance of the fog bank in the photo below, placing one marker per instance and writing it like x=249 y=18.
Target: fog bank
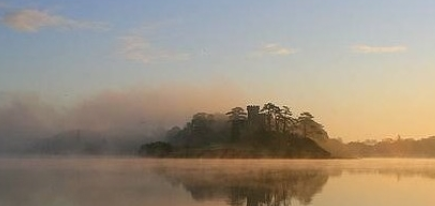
x=135 y=111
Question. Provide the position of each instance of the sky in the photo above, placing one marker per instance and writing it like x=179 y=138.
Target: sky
x=363 y=68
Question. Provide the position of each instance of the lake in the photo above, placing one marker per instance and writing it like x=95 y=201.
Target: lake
x=107 y=181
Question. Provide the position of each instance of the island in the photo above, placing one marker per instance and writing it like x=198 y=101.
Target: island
x=269 y=131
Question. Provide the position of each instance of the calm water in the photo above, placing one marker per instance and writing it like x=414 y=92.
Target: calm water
x=134 y=182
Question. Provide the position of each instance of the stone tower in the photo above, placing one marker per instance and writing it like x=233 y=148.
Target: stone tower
x=253 y=112
x=256 y=120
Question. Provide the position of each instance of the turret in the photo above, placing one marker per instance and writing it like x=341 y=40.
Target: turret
x=253 y=112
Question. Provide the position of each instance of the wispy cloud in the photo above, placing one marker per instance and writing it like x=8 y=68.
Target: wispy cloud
x=137 y=48
x=362 y=48
x=273 y=49
x=32 y=20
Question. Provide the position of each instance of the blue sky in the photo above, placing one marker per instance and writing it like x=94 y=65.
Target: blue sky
x=363 y=68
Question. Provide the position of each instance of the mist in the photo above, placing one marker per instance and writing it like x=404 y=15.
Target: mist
x=144 y=112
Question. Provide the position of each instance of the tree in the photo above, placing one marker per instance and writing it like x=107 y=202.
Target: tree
x=200 y=122
x=310 y=128
x=200 y=128
x=271 y=111
x=286 y=118
x=306 y=115
x=237 y=116
x=304 y=120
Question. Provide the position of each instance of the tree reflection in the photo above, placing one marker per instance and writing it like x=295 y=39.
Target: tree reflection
x=251 y=187
x=134 y=182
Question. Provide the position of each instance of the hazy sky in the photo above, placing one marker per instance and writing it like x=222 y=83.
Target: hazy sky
x=363 y=68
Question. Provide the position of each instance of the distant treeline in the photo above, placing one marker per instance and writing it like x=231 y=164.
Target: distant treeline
x=398 y=147
x=272 y=131
x=269 y=131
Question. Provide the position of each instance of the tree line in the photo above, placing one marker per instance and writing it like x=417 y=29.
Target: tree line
x=256 y=131
x=277 y=119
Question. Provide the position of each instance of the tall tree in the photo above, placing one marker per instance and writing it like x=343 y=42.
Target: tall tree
x=201 y=123
x=237 y=116
x=271 y=111
x=304 y=120
x=286 y=118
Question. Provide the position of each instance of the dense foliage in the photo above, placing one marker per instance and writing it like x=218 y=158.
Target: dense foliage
x=270 y=131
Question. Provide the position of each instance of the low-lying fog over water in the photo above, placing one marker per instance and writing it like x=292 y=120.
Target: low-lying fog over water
x=134 y=182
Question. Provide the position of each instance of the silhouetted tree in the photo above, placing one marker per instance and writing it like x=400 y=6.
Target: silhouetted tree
x=271 y=111
x=304 y=120
x=200 y=128
x=265 y=132
x=200 y=122
x=286 y=118
x=237 y=116
x=307 y=127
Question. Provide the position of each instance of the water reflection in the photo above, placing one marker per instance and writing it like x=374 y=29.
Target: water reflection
x=81 y=182
x=278 y=182
x=139 y=182
x=252 y=187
